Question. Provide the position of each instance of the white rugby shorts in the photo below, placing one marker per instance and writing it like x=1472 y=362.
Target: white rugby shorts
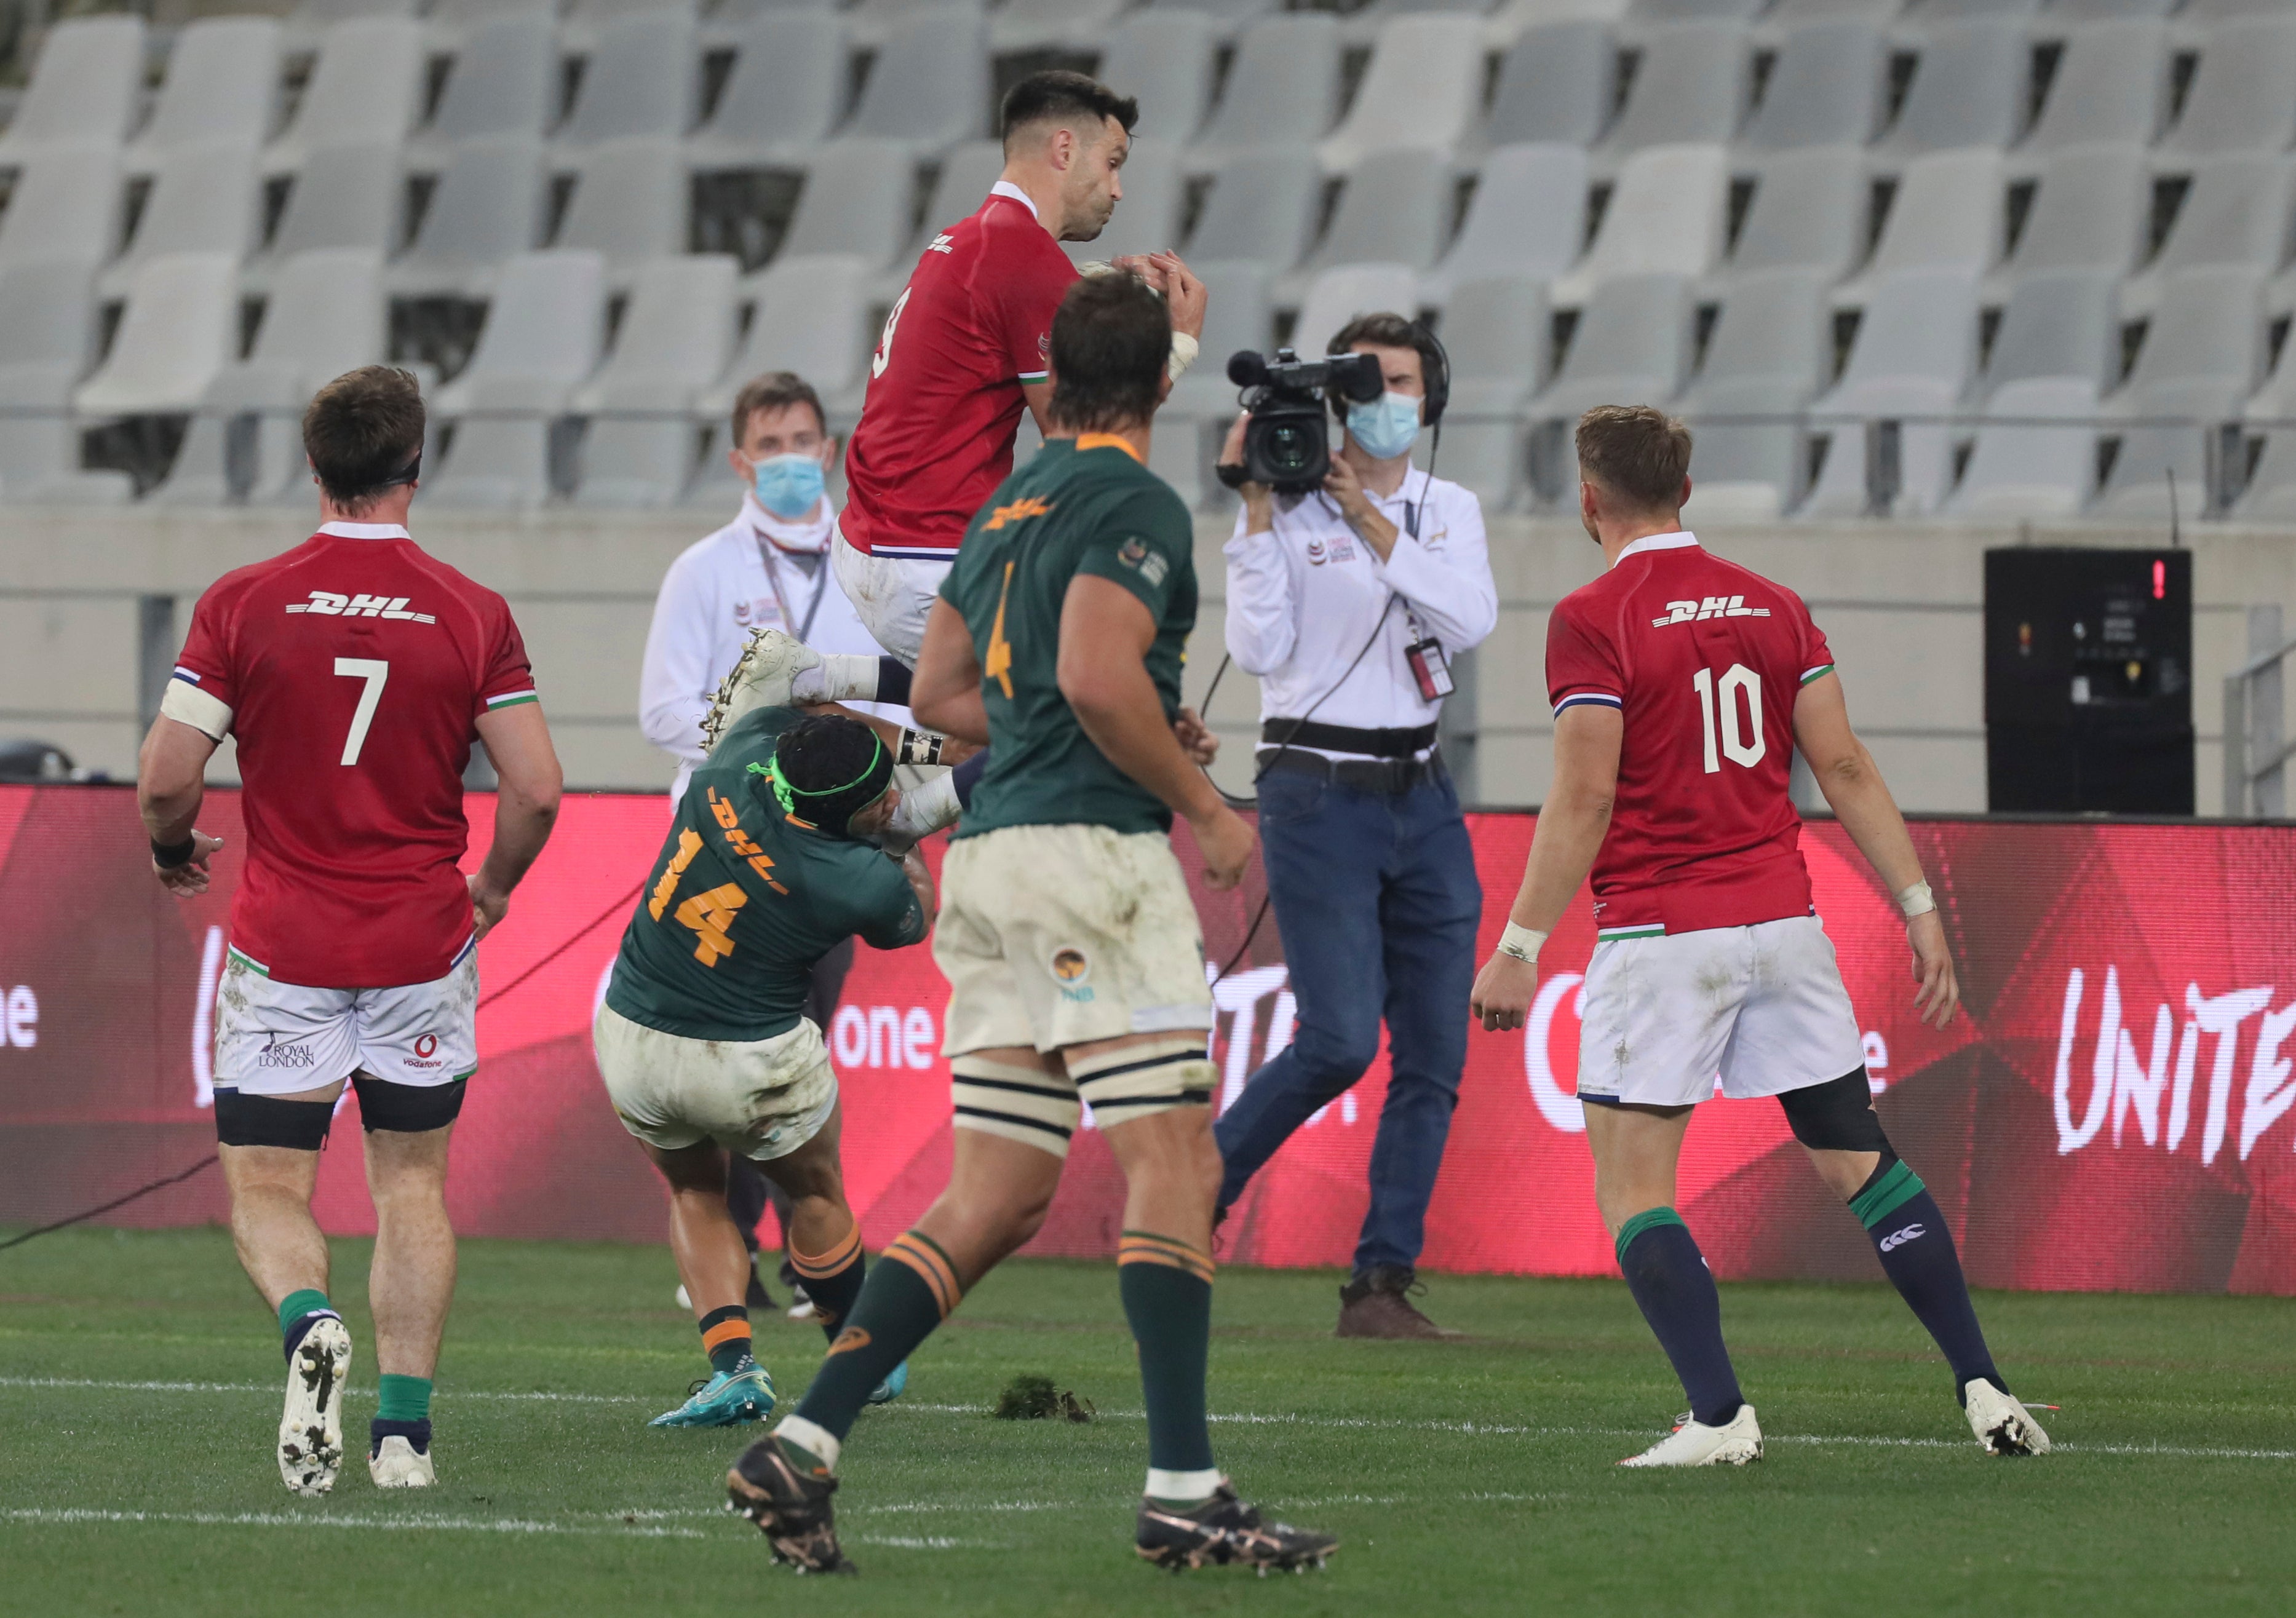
x=763 y=1098
x=1762 y=1006
x=279 y=1039
x=891 y=595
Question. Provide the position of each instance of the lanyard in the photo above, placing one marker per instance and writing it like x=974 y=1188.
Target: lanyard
x=780 y=597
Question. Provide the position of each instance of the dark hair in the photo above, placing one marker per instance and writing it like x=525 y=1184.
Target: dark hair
x=1638 y=454
x=1387 y=330
x=834 y=768
x=363 y=433
x=1111 y=340
x=775 y=391
x=1057 y=95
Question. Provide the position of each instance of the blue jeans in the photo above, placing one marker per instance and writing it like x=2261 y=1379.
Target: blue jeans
x=1376 y=896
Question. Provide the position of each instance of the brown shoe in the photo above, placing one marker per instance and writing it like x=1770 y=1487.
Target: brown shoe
x=1379 y=1305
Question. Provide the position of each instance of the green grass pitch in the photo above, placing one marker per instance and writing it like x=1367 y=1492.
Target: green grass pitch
x=139 y=1391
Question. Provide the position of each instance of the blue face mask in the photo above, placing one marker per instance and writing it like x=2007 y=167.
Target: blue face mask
x=789 y=485
x=1387 y=427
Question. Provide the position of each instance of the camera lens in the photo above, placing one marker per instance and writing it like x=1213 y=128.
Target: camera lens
x=1290 y=447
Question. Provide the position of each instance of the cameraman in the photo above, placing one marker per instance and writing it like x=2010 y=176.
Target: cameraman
x=1347 y=604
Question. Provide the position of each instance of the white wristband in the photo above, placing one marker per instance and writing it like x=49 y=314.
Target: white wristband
x=1521 y=943
x=1184 y=354
x=1917 y=900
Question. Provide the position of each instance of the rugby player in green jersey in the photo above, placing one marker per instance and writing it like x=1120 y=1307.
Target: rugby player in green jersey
x=702 y=1038
x=1072 y=946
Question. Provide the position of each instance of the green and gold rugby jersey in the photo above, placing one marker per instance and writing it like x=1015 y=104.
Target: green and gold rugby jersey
x=744 y=899
x=1081 y=505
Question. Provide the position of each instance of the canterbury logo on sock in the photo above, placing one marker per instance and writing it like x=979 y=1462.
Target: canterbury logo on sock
x=849 y=1339
x=1898 y=1239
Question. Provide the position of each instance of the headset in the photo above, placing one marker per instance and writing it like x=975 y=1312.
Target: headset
x=1435 y=374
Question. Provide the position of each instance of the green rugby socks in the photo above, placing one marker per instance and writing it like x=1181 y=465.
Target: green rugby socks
x=1166 y=1286
x=725 y=1338
x=1675 y=1290
x=1910 y=1238
x=909 y=1292
x=832 y=1279
x=299 y=1312
x=404 y=1398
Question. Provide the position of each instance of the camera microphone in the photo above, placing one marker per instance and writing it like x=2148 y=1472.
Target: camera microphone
x=1247 y=369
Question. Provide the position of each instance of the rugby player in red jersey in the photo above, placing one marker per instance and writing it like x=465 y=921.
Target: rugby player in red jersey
x=355 y=672
x=1682 y=684
x=965 y=348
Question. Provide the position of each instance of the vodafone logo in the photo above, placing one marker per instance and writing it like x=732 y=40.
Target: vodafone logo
x=1556 y=1105
x=1898 y=1239
x=426 y=1046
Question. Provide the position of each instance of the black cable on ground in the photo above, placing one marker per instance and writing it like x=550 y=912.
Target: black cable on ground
x=117 y=1202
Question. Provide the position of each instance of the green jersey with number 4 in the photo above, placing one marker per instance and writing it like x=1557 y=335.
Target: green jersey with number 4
x=1081 y=506
x=744 y=899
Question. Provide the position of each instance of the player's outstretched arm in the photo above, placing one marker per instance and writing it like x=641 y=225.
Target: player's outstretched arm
x=945 y=692
x=170 y=784
x=517 y=741
x=1860 y=800
x=1105 y=634
x=1571 y=825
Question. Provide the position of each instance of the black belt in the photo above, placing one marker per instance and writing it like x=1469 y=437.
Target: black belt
x=1392 y=775
x=1346 y=739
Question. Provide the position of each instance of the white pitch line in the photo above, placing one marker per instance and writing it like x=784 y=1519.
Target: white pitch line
x=283 y=1519
x=354 y=1393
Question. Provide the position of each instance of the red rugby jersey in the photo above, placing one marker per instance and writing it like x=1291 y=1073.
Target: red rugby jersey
x=1703 y=659
x=936 y=433
x=353 y=670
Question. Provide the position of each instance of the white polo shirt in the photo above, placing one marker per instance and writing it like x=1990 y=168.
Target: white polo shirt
x=714 y=594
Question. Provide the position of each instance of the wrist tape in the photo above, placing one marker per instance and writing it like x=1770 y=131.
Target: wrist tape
x=1184 y=354
x=921 y=748
x=174 y=856
x=1917 y=900
x=1521 y=943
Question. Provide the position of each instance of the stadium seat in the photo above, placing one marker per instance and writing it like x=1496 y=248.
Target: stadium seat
x=312 y=18
x=488 y=206
x=1393 y=211
x=1826 y=89
x=1163 y=59
x=1365 y=25
x=810 y=314
x=1968 y=89
x=1261 y=209
x=1630 y=346
x=2239 y=100
x=1229 y=18
x=65 y=204
x=87 y=88
x=1528 y=217
x=2237 y=211
x=2088 y=11
x=367 y=85
x=1496 y=331
x=782 y=96
x=1422 y=86
x=2056 y=324
x=1691 y=11
x=1769 y=351
x=1554 y=85
x=1239 y=313
x=47 y=323
x=855 y=200
x=2219 y=11
x=541 y=339
x=629 y=205
x=2112 y=85
x=929 y=87
x=2050 y=359
x=324 y=316
x=1788 y=12
x=968 y=170
x=1338 y=295
x=674 y=342
x=872 y=21
x=587 y=21
x=222 y=87
x=1148 y=219
x=1282 y=91
x=1911 y=359
x=1046 y=25
x=2088 y=211
x=1923 y=14
x=642 y=80
x=1946 y=214
x=1508 y=21
x=1665 y=216
x=2199 y=363
x=203 y=200
x=504 y=81
x=180 y=327
x=348 y=196
x=1689 y=89
x=1808 y=213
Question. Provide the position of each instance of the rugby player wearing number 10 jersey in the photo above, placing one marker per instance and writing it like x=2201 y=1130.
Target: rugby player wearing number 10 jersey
x=1682 y=684
x=356 y=672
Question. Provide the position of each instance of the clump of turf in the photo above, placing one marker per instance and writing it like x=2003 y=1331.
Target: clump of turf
x=1028 y=1397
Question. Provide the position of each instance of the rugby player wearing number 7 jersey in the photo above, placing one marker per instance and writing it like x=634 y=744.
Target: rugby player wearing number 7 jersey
x=356 y=673
x=1682 y=684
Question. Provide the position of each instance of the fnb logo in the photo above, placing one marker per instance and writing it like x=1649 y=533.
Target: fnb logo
x=1712 y=606
x=327 y=603
x=1898 y=1239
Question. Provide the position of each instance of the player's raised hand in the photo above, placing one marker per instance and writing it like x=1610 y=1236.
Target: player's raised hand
x=488 y=908
x=1226 y=842
x=189 y=879
x=1184 y=294
x=1195 y=739
x=1501 y=997
x=1940 y=994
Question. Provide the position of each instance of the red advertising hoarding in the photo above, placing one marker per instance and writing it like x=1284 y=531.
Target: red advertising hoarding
x=2116 y=1109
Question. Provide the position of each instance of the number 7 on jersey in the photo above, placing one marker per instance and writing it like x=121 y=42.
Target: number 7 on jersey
x=376 y=673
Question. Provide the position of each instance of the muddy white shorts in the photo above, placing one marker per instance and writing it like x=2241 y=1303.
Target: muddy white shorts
x=763 y=1098
x=277 y=1039
x=891 y=595
x=1762 y=1006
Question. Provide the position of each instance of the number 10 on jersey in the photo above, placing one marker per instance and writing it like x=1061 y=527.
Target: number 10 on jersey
x=1740 y=743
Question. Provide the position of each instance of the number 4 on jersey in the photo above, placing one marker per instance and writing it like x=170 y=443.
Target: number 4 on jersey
x=1736 y=746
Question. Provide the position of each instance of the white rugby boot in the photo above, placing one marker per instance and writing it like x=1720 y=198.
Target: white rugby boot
x=396 y=1463
x=761 y=677
x=2003 y=1426
x=1693 y=1443
x=311 y=1427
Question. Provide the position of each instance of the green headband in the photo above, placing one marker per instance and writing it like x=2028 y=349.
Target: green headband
x=786 y=794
